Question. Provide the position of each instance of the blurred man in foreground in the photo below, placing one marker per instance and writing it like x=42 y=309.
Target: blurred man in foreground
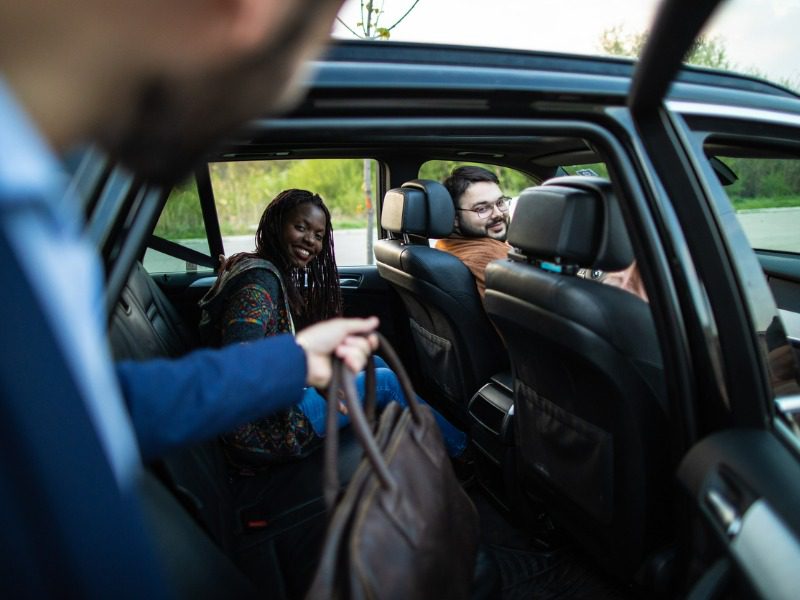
x=154 y=82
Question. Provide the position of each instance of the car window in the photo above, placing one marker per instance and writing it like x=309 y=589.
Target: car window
x=766 y=197
x=242 y=190
x=597 y=169
x=180 y=222
x=511 y=181
x=763 y=187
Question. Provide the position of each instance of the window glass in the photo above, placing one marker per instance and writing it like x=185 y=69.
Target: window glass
x=512 y=181
x=242 y=190
x=765 y=193
x=181 y=222
x=594 y=169
x=766 y=196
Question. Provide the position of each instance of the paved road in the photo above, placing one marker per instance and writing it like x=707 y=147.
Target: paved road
x=772 y=228
x=775 y=228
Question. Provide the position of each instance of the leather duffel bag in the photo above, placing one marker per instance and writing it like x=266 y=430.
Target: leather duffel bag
x=403 y=527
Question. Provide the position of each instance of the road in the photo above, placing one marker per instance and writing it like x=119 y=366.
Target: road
x=774 y=228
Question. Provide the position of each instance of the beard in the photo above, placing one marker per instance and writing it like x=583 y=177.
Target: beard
x=484 y=230
x=176 y=122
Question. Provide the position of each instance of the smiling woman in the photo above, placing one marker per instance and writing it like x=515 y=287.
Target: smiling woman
x=303 y=233
x=289 y=282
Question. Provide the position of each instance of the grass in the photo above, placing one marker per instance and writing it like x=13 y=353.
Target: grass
x=345 y=222
x=766 y=202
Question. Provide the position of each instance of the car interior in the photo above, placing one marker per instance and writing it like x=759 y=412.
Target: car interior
x=570 y=389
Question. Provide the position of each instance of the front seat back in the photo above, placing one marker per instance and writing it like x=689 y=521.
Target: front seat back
x=589 y=392
x=457 y=348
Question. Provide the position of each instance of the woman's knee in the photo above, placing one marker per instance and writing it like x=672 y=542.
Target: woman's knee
x=386 y=378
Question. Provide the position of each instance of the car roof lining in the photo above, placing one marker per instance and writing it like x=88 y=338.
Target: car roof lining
x=526 y=153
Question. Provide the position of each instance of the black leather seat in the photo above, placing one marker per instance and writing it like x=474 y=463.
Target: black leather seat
x=264 y=523
x=589 y=390
x=145 y=324
x=457 y=347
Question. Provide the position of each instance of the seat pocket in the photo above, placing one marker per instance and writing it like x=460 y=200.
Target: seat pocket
x=575 y=457
x=438 y=360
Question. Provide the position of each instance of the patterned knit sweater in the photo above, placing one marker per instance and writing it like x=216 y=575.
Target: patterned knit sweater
x=249 y=303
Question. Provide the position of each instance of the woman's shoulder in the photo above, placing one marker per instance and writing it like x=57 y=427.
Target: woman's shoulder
x=259 y=276
x=242 y=270
x=245 y=262
x=255 y=271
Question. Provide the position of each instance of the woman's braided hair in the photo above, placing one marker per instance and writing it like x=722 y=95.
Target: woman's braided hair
x=314 y=292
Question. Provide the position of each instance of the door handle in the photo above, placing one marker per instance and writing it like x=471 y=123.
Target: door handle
x=349 y=282
x=725 y=511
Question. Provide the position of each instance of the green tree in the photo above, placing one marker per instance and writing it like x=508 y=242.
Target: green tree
x=705 y=51
x=243 y=188
x=615 y=41
x=512 y=182
x=709 y=52
x=369 y=27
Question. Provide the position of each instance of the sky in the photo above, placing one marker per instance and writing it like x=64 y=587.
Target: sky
x=761 y=34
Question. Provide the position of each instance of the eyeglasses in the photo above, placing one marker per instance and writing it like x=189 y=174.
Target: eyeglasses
x=484 y=211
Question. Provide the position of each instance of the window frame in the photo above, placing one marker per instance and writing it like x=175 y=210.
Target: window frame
x=748 y=310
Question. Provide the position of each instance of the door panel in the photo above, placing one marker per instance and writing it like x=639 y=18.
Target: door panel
x=365 y=294
x=783 y=273
x=743 y=477
x=745 y=487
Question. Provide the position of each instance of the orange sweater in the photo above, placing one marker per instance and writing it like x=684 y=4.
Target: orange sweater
x=475 y=253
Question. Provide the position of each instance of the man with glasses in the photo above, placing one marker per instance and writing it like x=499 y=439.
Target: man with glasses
x=481 y=223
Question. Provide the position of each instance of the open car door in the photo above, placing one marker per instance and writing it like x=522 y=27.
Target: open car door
x=741 y=462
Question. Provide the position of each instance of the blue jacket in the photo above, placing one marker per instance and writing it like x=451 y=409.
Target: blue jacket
x=174 y=402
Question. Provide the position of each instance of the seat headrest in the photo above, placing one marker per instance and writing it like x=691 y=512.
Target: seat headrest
x=572 y=220
x=419 y=207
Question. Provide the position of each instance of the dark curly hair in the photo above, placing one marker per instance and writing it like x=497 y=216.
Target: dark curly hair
x=314 y=292
x=462 y=177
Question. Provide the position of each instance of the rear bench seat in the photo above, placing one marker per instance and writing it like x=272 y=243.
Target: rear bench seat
x=250 y=518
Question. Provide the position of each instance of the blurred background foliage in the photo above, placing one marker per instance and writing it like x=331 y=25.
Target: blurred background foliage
x=243 y=189
x=763 y=182
x=511 y=182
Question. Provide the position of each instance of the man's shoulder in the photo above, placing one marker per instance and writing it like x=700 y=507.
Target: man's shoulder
x=484 y=245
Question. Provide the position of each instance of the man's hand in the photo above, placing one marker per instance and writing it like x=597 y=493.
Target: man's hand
x=348 y=339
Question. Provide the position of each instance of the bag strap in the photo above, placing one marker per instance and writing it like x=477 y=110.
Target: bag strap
x=396 y=365
x=342 y=387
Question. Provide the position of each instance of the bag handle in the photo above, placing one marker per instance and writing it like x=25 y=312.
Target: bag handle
x=361 y=419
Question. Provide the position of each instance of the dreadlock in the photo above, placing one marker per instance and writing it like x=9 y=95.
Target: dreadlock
x=313 y=293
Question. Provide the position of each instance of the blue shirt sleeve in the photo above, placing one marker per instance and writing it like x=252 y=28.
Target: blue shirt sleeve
x=174 y=402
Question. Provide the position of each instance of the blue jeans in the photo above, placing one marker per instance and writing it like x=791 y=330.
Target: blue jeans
x=387 y=386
